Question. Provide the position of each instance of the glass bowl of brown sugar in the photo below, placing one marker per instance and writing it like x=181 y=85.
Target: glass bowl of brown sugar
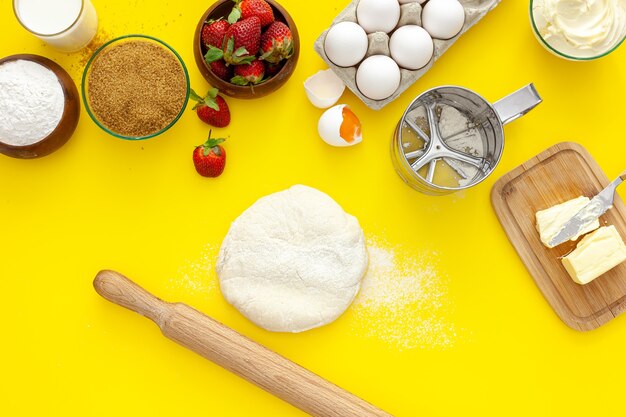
x=135 y=87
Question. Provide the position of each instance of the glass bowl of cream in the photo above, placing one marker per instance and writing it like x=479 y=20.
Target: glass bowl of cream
x=579 y=30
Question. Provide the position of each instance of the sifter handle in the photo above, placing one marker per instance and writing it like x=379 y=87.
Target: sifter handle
x=236 y=353
x=517 y=104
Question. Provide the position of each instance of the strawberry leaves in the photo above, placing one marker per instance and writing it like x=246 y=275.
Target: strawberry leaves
x=240 y=56
x=209 y=100
x=229 y=54
x=278 y=52
x=211 y=145
x=239 y=80
x=234 y=15
x=213 y=54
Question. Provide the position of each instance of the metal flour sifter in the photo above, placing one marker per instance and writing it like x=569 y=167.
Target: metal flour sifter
x=438 y=164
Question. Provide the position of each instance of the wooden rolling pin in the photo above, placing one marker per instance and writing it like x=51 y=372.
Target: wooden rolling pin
x=235 y=352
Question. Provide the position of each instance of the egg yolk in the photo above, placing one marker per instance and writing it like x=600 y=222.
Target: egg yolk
x=350 y=129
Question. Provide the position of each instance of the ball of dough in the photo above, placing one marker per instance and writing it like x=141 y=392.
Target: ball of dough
x=293 y=261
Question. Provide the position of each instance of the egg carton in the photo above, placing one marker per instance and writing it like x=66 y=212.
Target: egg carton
x=379 y=44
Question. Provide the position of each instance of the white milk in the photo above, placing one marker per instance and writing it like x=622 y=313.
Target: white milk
x=68 y=25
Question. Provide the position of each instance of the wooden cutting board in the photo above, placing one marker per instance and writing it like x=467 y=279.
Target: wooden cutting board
x=562 y=172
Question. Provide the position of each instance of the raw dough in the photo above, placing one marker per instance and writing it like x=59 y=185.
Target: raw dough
x=293 y=261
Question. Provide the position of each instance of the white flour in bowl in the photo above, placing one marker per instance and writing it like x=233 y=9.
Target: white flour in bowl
x=31 y=102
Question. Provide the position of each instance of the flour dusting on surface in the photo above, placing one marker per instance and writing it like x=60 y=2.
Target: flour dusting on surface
x=197 y=276
x=403 y=302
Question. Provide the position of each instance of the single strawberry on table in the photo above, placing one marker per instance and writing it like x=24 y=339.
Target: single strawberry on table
x=209 y=159
x=212 y=108
x=213 y=33
x=247 y=74
x=241 y=43
x=249 y=8
x=276 y=43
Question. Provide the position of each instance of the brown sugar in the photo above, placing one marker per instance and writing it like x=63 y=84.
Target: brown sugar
x=102 y=37
x=136 y=88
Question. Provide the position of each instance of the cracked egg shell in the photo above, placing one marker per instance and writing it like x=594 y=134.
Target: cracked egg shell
x=324 y=88
x=340 y=127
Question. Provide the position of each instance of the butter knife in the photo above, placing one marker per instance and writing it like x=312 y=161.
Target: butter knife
x=591 y=212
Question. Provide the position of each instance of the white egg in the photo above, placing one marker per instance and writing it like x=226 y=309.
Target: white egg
x=411 y=47
x=411 y=1
x=378 y=15
x=346 y=44
x=378 y=77
x=324 y=88
x=443 y=19
x=340 y=127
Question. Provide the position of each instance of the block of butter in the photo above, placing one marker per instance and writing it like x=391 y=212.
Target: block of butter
x=595 y=255
x=551 y=221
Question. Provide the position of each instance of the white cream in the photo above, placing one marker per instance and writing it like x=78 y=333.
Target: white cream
x=581 y=28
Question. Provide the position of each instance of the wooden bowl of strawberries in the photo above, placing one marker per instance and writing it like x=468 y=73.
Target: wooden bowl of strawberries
x=246 y=48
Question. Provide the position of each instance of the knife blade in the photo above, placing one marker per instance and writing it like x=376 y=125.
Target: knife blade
x=599 y=205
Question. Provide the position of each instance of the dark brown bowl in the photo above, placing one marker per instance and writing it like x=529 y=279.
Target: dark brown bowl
x=69 y=120
x=222 y=8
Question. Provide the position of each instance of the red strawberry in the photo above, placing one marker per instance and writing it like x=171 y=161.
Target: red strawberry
x=210 y=158
x=242 y=42
x=249 y=8
x=251 y=73
x=272 y=69
x=213 y=33
x=276 y=43
x=212 y=109
x=221 y=70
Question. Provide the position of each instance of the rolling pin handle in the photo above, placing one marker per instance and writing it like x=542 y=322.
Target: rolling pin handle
x=236 y=353
x=118 y=289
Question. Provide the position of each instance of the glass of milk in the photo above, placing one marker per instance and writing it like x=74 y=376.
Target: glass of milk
x=67 y=25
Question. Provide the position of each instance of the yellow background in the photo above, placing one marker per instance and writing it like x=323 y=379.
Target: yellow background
x=140 y=208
